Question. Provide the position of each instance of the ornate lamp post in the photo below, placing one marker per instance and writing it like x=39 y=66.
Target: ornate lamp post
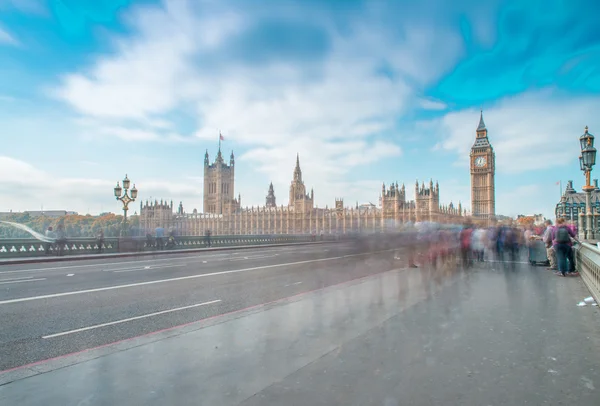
x=587 y=160
x=125 y=199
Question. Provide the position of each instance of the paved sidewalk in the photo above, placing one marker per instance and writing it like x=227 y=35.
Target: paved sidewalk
x=405 y=337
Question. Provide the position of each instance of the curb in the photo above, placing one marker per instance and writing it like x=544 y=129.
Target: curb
x=35 y=260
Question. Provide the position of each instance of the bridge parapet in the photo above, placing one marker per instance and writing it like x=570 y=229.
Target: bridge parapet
x=588 y=265
x=24 y=247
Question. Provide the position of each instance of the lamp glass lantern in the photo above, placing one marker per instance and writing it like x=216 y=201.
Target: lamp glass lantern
x=118 y=191
x=126 y=182
x=134 y=192
x=586 y=140
x=581 y=165
x=589 y=157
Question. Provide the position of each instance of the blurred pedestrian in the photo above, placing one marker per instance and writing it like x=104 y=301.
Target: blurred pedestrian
x=100 y=240
x=478 y=243
x=465 y=245
x=563 y=246
x=51 y=236
x=547 y=238
x=207 y=234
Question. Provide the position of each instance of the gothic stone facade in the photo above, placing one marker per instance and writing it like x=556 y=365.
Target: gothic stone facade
x=483 y=172
x=572 y=203
x=223 y=215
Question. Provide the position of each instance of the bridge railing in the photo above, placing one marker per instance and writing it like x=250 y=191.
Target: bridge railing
x=18 y=248
x=588 y=265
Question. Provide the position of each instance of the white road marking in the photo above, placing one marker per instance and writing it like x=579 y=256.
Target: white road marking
x=292 y=284
x=123 y=269
x=256 y=257
x=181 y=278
x=129 y=319
x=100 y=265
x=15 y=279
x=149 y=268
x=70 y=274
x=26 y=280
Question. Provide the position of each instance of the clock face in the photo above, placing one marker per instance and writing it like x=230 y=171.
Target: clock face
x=480 y=161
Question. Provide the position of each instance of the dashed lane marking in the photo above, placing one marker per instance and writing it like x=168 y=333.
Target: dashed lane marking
x=26 y=280
x=148 y=268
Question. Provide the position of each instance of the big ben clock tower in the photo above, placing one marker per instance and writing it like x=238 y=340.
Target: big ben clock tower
x=483 y=168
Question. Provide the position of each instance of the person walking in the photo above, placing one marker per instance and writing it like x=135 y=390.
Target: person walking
x=51 y=236
x=529 y=235
x=61 y=239
x=207 y=235
x=561 y=241
x=465 y=245
x=547 y=238
x=478 y=243
x=100 y=239
x=159 y=235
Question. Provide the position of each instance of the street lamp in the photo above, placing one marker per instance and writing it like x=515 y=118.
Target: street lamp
x=125 y=199
x=587 y=160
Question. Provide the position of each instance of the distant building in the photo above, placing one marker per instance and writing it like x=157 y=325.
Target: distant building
x=365 y=207
x=223 y=214
x=37 y=213
x=572 y=202
x=46 y=213
x=270 y=201
x=483 y=172
x=219 y=185
x=536 y=219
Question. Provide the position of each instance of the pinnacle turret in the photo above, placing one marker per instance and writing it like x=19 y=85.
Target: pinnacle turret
x=481 y=125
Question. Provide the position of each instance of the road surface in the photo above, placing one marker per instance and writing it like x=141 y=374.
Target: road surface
x=48 y=310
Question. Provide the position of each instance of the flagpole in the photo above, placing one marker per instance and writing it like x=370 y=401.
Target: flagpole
x=560 y=197
x=219 y=140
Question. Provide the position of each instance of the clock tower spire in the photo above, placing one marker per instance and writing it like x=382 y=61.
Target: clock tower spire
x=483 y=172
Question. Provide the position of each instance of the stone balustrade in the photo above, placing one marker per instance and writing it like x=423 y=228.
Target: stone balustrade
x=18 y=248
x=588 y=265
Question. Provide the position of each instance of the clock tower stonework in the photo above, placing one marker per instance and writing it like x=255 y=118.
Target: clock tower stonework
x=483 y=170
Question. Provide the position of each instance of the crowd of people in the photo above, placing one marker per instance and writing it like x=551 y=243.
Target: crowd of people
x=505 y=243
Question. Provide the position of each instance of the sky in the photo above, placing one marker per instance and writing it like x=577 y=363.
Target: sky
x=365 y=92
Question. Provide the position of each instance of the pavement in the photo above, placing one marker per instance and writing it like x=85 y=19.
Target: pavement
x=297 y=326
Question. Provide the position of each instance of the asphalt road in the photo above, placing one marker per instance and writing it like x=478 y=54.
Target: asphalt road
x=48 y=310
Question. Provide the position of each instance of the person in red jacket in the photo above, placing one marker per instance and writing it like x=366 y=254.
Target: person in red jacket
x=465 y=245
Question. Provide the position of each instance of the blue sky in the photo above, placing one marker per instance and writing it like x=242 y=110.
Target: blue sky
x=365 y=91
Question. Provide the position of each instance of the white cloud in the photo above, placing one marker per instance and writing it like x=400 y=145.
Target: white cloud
x=532 y=131
x=151 y=73
x=430 y=104
x=543 y=202
x=7 y=38
x=334 y=112
x=37 y=188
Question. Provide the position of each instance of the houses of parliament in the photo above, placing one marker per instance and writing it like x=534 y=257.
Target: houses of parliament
x=224 y=215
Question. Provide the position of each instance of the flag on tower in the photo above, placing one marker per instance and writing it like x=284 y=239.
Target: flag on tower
x=221 y=138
